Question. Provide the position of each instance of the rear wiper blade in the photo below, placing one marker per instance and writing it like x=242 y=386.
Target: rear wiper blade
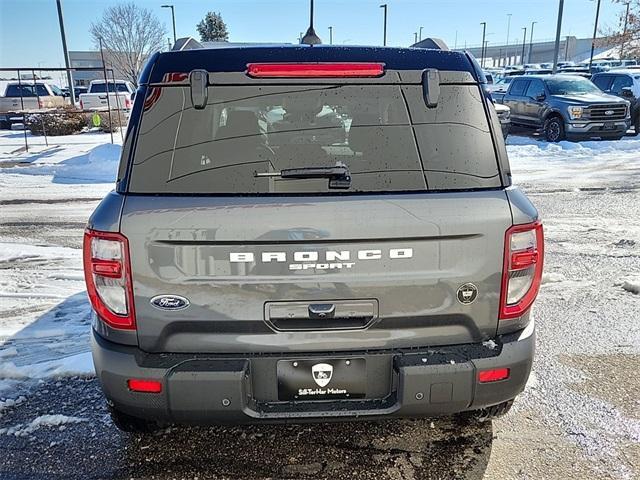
x=339 y=176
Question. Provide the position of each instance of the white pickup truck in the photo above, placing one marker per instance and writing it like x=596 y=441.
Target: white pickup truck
x=120 y=95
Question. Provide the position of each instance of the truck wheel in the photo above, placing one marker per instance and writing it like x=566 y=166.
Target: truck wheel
x=554 y=129
x=5 y=125
x=636 y=126
x=130 y=424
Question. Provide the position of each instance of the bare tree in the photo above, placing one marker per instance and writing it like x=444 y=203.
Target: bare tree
x=626 y=34
x=129 y=35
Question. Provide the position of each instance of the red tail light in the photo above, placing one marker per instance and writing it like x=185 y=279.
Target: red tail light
x=302 y=70
x=127 y=103
x=522 y=270
x=40 y=104
x=107 y=273
x=146 y=386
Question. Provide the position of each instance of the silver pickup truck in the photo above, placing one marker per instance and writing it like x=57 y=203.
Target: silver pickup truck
x=250 y=267
x=17 y=98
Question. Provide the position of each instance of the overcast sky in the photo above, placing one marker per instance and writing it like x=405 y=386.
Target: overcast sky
x=30 y=36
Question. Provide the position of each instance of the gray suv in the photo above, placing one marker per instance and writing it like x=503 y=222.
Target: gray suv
x=256 y=263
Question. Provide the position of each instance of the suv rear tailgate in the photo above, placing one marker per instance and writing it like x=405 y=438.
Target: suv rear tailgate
x=404 y=266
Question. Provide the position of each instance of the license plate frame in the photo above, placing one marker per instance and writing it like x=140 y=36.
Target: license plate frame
x=609 y=126
x=322 y=379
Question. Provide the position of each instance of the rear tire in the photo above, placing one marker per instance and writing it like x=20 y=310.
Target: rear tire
x=554 y=130
x=130 y=424
x=636 y=126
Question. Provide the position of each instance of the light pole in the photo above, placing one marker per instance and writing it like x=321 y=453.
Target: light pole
x=455 y=42
x=556 y=49
x=486 y=44
x=384 y=34
x=415 y=37
x=66 y=52
x=420 y=34
x=524 y=42
x=595 y=32
x=484 y=32
x=624 y=31
x=531 y=42
x=330 y=35
x=173 y=19
x=506 y=52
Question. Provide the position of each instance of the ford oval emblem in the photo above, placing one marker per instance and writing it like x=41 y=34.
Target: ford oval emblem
x=609 y=112
x=169 y=302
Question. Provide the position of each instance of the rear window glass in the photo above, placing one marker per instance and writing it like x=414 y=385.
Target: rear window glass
x=101 y=88
x=384 y=134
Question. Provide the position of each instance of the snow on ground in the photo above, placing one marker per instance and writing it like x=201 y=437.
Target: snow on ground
x=44 y=313
x=574 y=164
x=57 y=420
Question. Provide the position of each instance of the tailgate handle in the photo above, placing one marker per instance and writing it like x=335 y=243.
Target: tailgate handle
x=322 y=310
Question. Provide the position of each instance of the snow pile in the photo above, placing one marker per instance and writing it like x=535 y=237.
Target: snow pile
x=99 y=165
x=22 y=430
x=79 y=365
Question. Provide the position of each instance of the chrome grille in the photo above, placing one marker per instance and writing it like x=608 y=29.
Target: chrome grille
x=607 y=112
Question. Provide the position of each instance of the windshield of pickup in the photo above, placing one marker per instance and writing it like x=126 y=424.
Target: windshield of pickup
x=383 y=133
x=571 y=86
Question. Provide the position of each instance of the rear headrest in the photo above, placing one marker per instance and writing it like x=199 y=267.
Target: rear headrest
x=240 y=123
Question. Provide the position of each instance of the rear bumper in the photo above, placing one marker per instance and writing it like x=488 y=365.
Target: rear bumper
x=210 y=389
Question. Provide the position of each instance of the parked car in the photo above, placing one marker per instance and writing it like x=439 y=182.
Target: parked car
x=243 y=275
x=79 y=91
x=565 y=107
x=579 y=71
x=27 y=96
x=624 y=84
x=120 y=95
x=565 y=64
x=504 y=114
x=538 y=71
x=501 y=85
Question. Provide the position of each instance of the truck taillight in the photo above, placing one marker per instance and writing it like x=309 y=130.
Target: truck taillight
x=107 y=272
x=522 y=271
x=127 y=103
x=40 y=104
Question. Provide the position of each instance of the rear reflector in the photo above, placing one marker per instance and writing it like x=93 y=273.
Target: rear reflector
x=147 y=386
x=317 y=70
x=486 y=376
